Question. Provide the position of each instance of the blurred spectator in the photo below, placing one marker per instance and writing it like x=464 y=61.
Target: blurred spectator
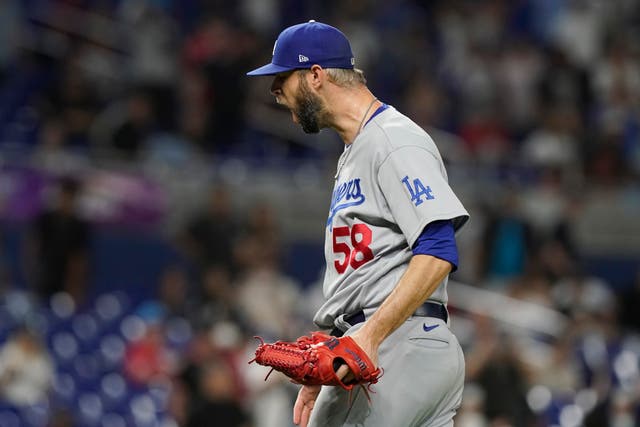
x=11 y=27
x=219 y=347
x=178 y=401
x=352 y=18
x=591 y=302
x=555 y=142
x=26 y=369
x=598 y=337
x=7 y=281
x=494 y=364
x=617 y=75
x=175 y=292
x=218 y=399
x=533 y=286
x=520 y=68
x=554 y=262
x=204 y=346
x=558 y=369
x=209 y=237
x=259 y=242
x=578 y=29
x=148 y=359
x=606 y=166
x=62 y=418
x=52 y=153
x=217 y=300
x=58 y=250
x=221 y=51
x=262 y=279
x=427 y=105
x=151 y=39
x=195 y=107
x=129 y=137
x=563 y=84
x=126 y=125
x=545 y=206
x=149 y=355
x=623 y=411
x=261 y=15
x=271 y=400
x=478 y=82
x=629 y=303
x=486 y=137
x=75 y=101
x=507 y=238
x=471 y=412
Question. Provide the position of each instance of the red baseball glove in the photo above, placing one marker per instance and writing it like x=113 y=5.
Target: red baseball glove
x=314 y=360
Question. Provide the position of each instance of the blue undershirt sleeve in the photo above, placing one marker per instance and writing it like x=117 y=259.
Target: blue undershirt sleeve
x=438 y=240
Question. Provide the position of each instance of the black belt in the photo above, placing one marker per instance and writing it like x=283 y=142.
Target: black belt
x=428 y=309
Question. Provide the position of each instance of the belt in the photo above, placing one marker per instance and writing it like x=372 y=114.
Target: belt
x=428 y=309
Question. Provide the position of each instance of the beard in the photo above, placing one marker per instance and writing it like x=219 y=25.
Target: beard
x=308 y=109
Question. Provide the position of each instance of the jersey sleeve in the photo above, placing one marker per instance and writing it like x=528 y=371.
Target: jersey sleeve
x=415 y=187
x=438 y=240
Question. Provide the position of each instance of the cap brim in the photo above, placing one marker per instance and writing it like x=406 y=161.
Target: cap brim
x=268 y=70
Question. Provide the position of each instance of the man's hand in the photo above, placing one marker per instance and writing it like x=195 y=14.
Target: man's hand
x=304 y=404
x=308 y=393
x=343 y=372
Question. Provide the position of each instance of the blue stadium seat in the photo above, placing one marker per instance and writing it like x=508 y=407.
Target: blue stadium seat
x=90 y=409
x=113 y=420
x=114 y=391
x=112 y=349
x=9 y=418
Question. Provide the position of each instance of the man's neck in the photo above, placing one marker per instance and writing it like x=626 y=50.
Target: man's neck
x=351 y=109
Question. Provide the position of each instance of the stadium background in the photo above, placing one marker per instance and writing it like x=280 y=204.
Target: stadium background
x=157 y=210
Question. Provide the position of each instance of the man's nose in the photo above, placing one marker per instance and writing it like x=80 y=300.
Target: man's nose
x=276 y=88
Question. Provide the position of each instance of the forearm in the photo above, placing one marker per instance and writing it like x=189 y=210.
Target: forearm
x=421 y=279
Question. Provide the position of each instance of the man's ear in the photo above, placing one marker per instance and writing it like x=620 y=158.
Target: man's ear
x=316 y=76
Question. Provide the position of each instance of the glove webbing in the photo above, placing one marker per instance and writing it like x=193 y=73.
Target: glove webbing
x=288 y=358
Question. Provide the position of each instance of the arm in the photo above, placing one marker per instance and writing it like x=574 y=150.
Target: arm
x=424 y=274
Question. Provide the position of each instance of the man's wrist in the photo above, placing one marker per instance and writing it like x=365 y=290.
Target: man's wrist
x=373 y=333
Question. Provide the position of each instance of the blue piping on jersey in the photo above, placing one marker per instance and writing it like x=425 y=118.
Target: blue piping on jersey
x=378 y=111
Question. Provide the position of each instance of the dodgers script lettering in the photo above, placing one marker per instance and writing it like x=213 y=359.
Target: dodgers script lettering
x=345 y=195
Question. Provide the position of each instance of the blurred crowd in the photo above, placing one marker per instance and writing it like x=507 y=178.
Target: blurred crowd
x=535 y=106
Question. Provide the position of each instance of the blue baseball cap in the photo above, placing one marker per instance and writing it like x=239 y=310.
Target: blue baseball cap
x=303 y=45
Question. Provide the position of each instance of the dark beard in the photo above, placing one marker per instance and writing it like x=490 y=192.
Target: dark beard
x=308 y=109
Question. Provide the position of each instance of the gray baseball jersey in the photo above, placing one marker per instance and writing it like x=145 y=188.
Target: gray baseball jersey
x=390 y=183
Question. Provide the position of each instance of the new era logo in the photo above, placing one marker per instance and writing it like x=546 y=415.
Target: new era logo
x=302 y=58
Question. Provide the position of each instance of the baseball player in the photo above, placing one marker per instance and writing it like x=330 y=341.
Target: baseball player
x=389 y=245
